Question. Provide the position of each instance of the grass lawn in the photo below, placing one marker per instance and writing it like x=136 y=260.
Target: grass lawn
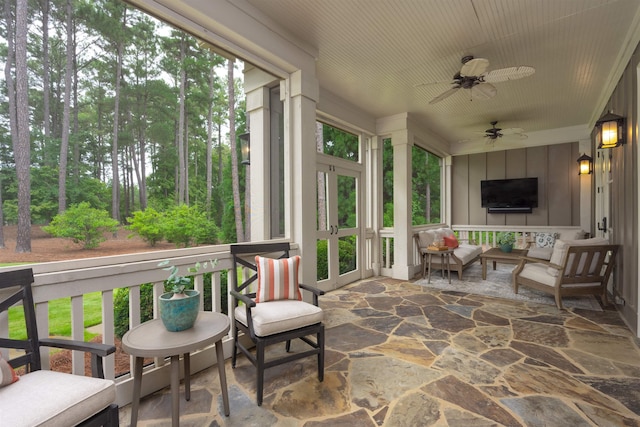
x=60 y=317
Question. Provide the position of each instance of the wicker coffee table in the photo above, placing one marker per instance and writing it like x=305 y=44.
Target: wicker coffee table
x=497 y=255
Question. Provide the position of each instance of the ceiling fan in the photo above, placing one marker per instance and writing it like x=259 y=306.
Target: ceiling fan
x=473 y=75
x=493 y=133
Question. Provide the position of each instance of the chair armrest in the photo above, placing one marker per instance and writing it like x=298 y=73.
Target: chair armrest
x=245 y=299
x=98 y=351
x=315 y=291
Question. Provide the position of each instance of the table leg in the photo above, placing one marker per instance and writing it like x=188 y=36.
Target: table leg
x=187 y=377
x=494 y=264
x=449 y=267
x=175 y=390
x=429 y=273
x=137 y=385
x=484 y=268
x=223 y=377
x=442 y=258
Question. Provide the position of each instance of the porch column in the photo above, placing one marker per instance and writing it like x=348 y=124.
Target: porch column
x=402 y=222
x=303 y=92
x=256 y=87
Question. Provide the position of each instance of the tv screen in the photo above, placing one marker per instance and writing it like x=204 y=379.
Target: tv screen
x=509 y=195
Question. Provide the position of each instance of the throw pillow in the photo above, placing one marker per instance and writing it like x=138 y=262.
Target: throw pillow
x=546 y=240
x=451 y=241
x=7 y=374
x=278 y=279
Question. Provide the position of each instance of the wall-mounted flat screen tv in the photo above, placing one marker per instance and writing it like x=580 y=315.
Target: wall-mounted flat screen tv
x=519 y=195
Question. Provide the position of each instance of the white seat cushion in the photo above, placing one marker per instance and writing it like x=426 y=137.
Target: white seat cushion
x=273 y=317
x=540 y=253
x=466 y=253
x=47 y=398
x=538 y=273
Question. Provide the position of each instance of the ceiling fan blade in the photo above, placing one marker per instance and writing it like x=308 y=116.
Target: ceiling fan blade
x=483 y=91
x=512 y=131
x=474 y=67
x=444 y=95
x=506 y=74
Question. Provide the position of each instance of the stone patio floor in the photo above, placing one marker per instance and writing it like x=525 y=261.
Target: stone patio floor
x=399 y=354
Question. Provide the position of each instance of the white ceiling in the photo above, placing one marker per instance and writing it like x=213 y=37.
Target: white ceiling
x=378 y=55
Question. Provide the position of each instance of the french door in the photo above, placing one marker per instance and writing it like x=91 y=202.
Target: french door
x=338 y=222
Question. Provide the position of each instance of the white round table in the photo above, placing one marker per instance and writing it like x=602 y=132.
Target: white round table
x=151 y=339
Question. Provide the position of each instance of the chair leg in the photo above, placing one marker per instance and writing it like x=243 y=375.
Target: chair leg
x=260 y=371
x=320 y=341
x=235 y=346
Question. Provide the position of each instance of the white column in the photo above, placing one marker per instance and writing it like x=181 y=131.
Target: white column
x=300 y=128
x=402 y=221
x=256 y=89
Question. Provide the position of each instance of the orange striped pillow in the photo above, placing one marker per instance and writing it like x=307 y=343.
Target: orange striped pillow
x=278 y=279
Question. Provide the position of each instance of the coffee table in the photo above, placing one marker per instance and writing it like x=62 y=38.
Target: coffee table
x=497 y=255
x=151 y=339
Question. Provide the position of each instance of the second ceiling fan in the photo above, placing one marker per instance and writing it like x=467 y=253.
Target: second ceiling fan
x=493 y=133
x=474 y=76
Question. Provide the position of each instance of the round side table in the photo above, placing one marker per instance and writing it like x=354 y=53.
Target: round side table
x=445 y=257
x=151 y=339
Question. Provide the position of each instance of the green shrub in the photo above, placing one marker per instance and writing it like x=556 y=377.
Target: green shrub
x=186 y=226
x=147 y=224
x=121 y=308
x=82 y=224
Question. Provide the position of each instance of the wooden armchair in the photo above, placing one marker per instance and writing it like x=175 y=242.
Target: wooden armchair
x=43 y=397
x=574 y=269
x=275 y=312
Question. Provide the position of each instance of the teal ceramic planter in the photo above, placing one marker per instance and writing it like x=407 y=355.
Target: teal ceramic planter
x=181 y=313
x=506 y=248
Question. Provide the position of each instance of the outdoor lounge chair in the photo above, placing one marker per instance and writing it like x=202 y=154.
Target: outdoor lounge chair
x=44 y=397
x=274 y=312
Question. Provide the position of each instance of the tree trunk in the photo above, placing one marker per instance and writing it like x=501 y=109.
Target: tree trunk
x=235 y=180
x=46 y=83
x=66 y=113
x=181 y=159
x=115 y=190
x=21 y=149
x=212 y=76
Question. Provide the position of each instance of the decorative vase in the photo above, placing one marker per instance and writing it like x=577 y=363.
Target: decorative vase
x=508 y=247
x=180 y=313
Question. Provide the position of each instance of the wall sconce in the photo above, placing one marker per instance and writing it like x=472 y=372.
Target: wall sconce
x=245 y=148
x=610 y=131
x=585 y=165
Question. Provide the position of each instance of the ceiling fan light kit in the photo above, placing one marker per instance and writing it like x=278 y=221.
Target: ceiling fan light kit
x=473 y=75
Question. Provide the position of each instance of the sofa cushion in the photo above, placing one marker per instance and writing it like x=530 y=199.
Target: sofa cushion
x=54 y=398
x=426 y=237
x=546 y=240
x=561 y=249
x=541 y=253
x=467 y=253
x=278 y=316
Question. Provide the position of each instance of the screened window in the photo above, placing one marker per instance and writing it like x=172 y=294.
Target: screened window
x=426 y=173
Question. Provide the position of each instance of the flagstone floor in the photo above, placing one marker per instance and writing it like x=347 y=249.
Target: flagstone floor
x=399 y=354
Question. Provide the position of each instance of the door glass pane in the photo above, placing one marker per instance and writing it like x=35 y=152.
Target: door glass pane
x=347 y=197
x=323 y=260
x=322 y=197
x=348 y=250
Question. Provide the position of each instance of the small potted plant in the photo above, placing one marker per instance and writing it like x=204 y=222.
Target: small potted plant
x=506 y=241
x=179 y=306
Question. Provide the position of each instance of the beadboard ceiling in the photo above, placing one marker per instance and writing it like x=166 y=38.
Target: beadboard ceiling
x=393 y=56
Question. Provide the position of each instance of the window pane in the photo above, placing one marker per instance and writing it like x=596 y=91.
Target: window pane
x=426 y=187
x=338 y=143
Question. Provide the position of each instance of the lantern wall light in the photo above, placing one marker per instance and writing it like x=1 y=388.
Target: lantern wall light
x=245 y=148
x=610 y=131
x=585 y=165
